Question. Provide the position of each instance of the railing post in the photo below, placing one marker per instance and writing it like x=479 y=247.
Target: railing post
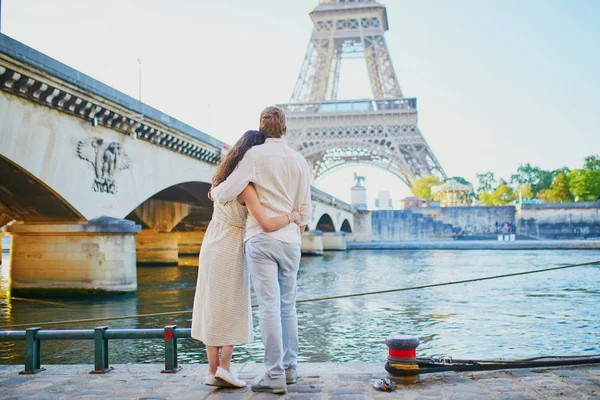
x=170 y=350
x=32 y=352
x=100 y=351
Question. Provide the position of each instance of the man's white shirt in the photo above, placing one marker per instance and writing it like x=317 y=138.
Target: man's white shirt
x=281 y=177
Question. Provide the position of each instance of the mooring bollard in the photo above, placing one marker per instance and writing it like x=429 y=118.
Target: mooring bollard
x=402 y=357
x=171 y=366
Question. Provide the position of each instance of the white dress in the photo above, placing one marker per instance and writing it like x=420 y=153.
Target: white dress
x=222 y=313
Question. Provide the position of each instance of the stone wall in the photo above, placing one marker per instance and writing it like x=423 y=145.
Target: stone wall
x=392 y=225
x=559 y=220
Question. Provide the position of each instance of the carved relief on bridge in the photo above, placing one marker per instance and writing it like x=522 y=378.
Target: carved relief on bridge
x=106 y=158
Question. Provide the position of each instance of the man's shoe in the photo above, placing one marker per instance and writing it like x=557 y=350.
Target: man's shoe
x=270 y=385
x=291 y=375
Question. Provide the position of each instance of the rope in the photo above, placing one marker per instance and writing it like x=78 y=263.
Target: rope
x=342 y=296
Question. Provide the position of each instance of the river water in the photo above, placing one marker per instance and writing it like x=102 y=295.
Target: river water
x=549 y=313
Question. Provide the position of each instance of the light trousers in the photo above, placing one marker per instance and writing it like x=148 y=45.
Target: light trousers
x=273 y=267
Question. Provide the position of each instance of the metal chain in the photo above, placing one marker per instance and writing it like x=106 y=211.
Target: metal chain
x=342 y=296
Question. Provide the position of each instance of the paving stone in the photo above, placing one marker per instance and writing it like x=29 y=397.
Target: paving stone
x=584 y=380
x=304 y=389
x=191 y=396
x=303 y=396
x=569 y=372
x=88 y=393
x=521 y=374
x=349 y=397
x=514 y=396
x=15 y=396
x=142 y=384
x=227 y=396
x=354 y=377
x=456 y=380
x=463 y=389
x=468 y=396
x=334 y=392
x=63 y=388
x=14 y=381
x=263 y=396
x=202 y=386
x=45 y=396
x=156 y=396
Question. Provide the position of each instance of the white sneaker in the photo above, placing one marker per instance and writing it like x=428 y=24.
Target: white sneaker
x=230 y=378
x=211 y=381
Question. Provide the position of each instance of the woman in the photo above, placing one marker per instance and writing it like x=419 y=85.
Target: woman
x=222 y=313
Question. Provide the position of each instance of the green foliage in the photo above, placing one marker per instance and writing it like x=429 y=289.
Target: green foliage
x=501 y=196
x=559 y=191
x=422 y=186
x=525 y=190
x=537 y=178
x=459 y=179
x=486 y=183
x=585 y=183
x=592 y=163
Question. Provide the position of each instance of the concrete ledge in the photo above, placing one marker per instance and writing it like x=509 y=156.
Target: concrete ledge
x=69 y=292
x=352 y=380
x=478 y=245
x=99 y=225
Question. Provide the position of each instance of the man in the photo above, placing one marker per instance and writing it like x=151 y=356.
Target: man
x=282 y=179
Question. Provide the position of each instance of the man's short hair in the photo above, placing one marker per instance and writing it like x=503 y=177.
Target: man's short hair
x=272 y=122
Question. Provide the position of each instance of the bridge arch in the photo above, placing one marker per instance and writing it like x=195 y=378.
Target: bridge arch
x=325 y=224
x=346 y=227
x=24 y=197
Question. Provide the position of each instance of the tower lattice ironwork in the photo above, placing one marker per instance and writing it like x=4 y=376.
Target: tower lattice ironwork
x=333 y=134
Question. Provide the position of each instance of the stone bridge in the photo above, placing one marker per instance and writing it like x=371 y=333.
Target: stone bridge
x=97 y=181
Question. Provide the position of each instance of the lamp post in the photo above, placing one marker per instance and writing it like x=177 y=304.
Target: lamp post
x=139 y=78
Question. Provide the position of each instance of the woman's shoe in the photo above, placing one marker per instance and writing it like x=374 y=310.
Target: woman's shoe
x=212 y=381
x=230 y=378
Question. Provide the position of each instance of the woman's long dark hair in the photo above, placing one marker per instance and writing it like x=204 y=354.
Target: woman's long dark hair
x=235 y=155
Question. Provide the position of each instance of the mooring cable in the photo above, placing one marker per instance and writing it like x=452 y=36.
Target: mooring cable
x=342 y=296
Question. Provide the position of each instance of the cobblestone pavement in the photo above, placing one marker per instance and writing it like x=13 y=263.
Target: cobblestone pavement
x=336 y=381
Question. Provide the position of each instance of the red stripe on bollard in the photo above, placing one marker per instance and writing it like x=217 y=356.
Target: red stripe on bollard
x=403 y=353
x=168 y=335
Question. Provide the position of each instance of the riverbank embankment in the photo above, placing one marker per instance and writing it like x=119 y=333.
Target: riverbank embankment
x=335 y=381
x=477 y=245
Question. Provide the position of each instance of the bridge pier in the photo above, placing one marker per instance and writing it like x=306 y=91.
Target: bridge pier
x=73 y=259
x=156 y=248
x=159 y=245
x=312 y=243
x=334 y=241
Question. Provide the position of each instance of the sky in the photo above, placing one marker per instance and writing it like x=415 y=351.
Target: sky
x=499 y=82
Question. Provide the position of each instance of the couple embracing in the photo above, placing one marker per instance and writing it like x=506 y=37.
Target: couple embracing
x=262 y=203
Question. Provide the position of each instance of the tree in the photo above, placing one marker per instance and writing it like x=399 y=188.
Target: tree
x=525 y=191
x=585 y=183
x=503 y=195
x=559 y=191
x=458 y=179
x=422 y=186
x=592 y=163
x=487 y=183
x=537 y=178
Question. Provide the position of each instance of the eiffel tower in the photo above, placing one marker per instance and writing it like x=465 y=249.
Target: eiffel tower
x=332 y=134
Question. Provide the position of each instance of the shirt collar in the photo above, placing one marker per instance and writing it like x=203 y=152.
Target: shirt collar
x=275 y=140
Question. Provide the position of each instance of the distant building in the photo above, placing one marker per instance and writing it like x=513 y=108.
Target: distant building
x=412 y=202
x=384 y=202
x=452 y=193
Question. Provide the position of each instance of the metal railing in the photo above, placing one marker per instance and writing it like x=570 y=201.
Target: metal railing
x=100 y=335
x=352 y=106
